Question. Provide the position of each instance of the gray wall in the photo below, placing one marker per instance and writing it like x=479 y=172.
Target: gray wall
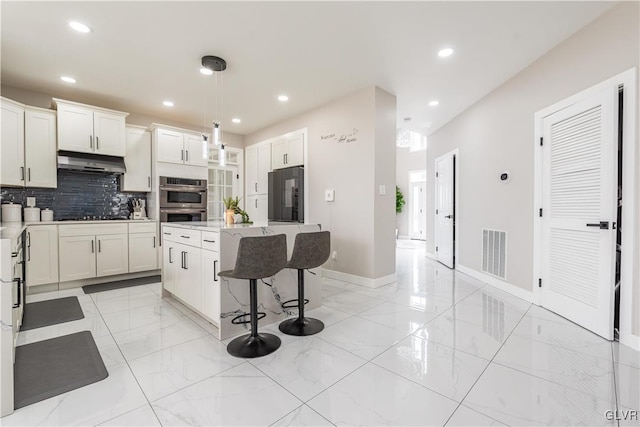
x=497 y=134
x=406 y=162
x=359 y=219
x=43 y=100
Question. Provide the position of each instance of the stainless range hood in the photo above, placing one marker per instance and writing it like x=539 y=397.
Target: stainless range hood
x=90 y=162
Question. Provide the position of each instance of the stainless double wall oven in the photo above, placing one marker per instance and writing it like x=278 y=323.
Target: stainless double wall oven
x=183 y=199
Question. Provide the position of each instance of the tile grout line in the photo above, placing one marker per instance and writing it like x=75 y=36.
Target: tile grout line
x=615 y=383
x=484 y=370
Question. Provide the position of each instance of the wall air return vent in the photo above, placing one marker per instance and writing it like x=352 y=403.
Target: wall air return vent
x=494 y=253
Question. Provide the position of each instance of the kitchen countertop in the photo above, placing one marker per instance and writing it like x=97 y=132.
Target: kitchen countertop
x=11 y=230
x=199 y=225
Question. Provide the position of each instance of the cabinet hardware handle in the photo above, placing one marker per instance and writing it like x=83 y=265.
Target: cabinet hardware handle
x=170 y=259
x=154 y=241
x=29 y=174
x=182 y=259
x=284 y=159
x=149 y=179
x=21 y=173
x=17 y=279
x=99 y=246
x=185 y=237
x=187 y=155
x=209 y=241
x=168 y=234
x=256 y=187
x=90 y=141
x=92 y=246
x=256 y=202
x=215 y=270
x=182 y=155
x=28 y=246
x=97 y=143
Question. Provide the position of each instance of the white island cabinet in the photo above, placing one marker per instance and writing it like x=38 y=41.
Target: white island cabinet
x=195 y=252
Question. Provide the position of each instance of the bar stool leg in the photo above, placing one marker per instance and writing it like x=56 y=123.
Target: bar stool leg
x=253 y=344
x=301 y=326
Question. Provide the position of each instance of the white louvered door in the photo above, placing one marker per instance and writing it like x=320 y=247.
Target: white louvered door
x=579 y=199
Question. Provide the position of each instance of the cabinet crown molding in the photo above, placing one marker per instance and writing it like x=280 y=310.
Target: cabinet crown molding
x=56 y=101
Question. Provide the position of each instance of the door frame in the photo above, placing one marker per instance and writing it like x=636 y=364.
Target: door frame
x=456 y=207
x=628 y=247
x=411 y=202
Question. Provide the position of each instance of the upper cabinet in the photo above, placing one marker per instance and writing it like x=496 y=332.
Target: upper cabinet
x=12 y=161
x=287 y=152
x=41 y=161
x=28 y=154
x=87 y=129
x=176 y=146
x=258 y=166
x=137 y=160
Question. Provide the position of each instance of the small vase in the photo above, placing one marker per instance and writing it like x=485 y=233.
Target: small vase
x=229 y=216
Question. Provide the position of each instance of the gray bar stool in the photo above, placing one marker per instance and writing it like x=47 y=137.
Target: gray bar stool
x=310 y=250
x=258 y=257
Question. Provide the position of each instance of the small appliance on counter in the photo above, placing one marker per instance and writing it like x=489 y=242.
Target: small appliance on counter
x=11 y=212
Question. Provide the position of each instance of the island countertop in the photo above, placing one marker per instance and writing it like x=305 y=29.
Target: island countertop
x=221 y=225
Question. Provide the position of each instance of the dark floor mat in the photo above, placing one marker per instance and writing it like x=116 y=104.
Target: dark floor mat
x=51 y=367
x=119 y=284
x=51 y=312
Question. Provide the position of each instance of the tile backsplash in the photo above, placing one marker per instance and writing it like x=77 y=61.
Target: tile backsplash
x=79 y=194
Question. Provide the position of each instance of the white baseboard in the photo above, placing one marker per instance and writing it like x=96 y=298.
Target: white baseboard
x=359 y=280
x=500 y=284
x=632 y=341
x=430 y=255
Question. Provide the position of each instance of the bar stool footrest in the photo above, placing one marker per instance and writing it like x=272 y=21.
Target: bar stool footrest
x=288 y=303
x=235 y=321
x=301 y=327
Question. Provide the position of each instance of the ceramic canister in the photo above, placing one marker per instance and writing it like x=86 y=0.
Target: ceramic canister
x=46 y=214
x=11 y=212
x=31 y=214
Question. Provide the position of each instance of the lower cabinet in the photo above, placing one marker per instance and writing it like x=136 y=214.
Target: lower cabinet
x=77 y=257
x=112 y=256
x=190 y=273
x=41 y=254
x=143 y=252
x=257 y=207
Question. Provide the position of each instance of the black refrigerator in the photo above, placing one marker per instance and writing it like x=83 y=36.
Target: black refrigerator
x=286 y=194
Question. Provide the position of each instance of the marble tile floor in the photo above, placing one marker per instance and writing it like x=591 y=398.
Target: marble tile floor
x=436 y=348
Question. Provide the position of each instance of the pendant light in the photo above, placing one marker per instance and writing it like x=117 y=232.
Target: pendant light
x=217 y=65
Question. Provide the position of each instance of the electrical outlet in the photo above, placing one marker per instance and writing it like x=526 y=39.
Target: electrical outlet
x=329 y=195
x=334 y=255
x=31 y=202
x=382 y=190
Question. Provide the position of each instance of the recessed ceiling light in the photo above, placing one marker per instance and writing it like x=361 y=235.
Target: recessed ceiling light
x=68 y=79
x=434 y=103
x=167 y=103
x=283 y=98
x=79 y=27
x=443 y=53
x=206 y=71
x=236 y=120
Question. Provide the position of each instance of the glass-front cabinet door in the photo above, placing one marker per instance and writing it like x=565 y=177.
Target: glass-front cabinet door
x=222 y=183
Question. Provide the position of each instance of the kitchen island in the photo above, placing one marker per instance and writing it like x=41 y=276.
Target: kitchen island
x=195 y=252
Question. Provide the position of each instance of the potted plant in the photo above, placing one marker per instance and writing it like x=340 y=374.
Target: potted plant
x=230 y=205
x=400 y=202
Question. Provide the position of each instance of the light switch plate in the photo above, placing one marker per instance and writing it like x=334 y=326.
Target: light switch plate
x=383 y=190
x=329 y=195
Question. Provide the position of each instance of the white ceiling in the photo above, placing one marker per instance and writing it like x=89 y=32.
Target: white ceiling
x=141 y=53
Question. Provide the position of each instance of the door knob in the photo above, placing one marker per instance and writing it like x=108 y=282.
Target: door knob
x=603 y=225
x=448 y=216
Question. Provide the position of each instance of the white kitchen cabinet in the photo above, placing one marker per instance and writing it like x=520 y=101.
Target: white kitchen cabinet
x=211 y=285
x=87 y=129
x=41 y=255
x=169 y=266
x=258 y=166
x=112 y=256
x=41 y=161
x=190 y=275
x=143 y=252
x=196 y=150
x=287 y=152
x=176 y=146
x=257 y=207
x=77 y=257
x=137 y=160
x=12 y=148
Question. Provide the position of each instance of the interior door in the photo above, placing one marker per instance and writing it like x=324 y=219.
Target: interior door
x=418 y=201
x=445 y=209
x=579 y=185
